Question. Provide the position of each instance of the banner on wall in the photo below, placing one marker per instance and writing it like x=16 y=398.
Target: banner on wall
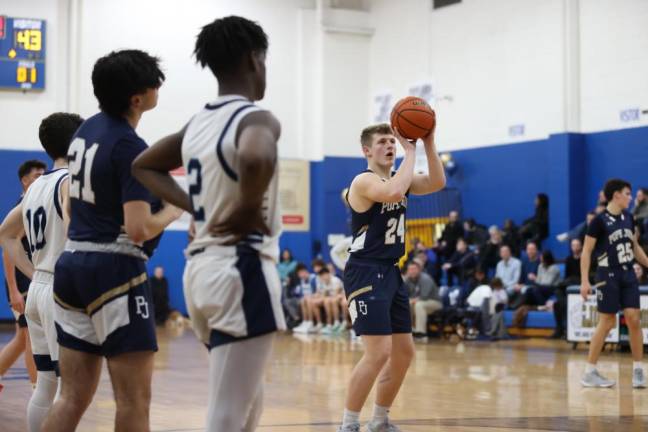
x=423 y=89
x=582 y=318
x=294 y=194
x=383 y=102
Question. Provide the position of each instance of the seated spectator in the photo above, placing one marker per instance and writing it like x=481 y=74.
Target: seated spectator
x=478 y=278
x=489 y=254
x=302 y=287
x=461 y=265
x=536 y=228
x=530 y=263
x=508 y=270
x=511 y=237
x=160 y=291
x=544 y=284
x=286 y=266
x=424 y=296
x=572 y=277
x=332 y=298
x=475 y=234
x=640 y=272
x=452 y=232
x=499 y=300
x=428 y=256
x=640 y=213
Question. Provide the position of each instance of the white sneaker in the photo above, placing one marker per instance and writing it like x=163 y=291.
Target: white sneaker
x=353 y=334
x=315 y=329
x=304 y=327
x=638 y=378
x=327 y=330
x=339 y=327
x=595 y=379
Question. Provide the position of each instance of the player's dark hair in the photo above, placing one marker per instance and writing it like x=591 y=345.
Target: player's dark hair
x=56 y=131
x=614 y=185
x=222 y=44
x=367 y=133
x=121 y=75
x=26 y=167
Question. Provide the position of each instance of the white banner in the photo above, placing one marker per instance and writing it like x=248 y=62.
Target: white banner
x=582 y=318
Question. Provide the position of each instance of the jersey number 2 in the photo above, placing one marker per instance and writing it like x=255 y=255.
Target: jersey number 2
x=395 y=228
x=194 y=174
x=81 y=159
x=625 y=254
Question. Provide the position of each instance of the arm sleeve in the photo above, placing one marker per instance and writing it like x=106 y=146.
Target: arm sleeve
x=123 y=155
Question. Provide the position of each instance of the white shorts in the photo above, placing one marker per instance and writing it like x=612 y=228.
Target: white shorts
x=39 y=312
x=232 y=297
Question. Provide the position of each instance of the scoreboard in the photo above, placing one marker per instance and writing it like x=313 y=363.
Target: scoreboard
x=22 y=53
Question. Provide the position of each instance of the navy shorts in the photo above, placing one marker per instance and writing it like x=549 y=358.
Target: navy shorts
x=22 y=282
x=617 y=289
x=378 y=300
x=103 y=304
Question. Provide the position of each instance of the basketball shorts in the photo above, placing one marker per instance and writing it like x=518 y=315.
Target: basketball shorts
x=377 y=298
x=617 y=289
x=39 y=312
x=103 y=303
x=22 y=282
x=232 y=294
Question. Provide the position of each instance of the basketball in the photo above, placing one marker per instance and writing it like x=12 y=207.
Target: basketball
x=413 y=117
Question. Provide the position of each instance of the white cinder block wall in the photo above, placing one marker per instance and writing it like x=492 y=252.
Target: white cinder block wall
x=498 y=63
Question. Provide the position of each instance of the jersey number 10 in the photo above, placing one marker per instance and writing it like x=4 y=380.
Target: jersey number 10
x=81 y=158
x=395 y=228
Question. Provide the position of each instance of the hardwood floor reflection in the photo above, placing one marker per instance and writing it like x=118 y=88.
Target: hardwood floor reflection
x=477 y=386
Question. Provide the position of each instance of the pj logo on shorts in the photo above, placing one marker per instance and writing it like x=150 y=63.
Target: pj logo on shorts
x=142 y=306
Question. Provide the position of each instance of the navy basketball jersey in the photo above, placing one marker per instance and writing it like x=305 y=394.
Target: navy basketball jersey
x=614 y=236
x=100 y=158
x=379 y=233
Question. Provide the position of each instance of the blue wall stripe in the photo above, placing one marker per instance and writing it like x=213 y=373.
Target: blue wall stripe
x=495 y=183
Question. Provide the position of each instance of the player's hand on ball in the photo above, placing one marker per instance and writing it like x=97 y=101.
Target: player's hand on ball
x=404 y=142
x=585 y=289
x=242 y=222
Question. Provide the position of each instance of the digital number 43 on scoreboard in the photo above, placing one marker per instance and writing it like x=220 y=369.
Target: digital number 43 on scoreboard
x=22 y=53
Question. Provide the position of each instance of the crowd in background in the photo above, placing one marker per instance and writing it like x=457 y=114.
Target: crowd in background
x=469 y=277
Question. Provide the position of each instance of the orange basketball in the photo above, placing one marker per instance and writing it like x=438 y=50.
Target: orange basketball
x=413 y=117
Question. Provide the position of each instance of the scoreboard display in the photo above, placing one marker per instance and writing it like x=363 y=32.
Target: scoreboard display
x=22 y=53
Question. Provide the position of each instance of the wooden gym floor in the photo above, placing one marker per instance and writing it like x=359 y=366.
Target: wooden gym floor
x=530 y=384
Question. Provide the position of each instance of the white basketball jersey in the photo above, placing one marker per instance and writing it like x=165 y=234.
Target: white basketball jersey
x=42 y=212
x=210 y=159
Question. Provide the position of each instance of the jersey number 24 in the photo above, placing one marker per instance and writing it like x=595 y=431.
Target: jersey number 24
x=395 y=228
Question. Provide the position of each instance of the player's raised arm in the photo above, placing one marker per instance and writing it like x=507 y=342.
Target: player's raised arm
x=151 y=168
x=11 y=231
x=258 y=134
x=435 y=179
x=392 y=190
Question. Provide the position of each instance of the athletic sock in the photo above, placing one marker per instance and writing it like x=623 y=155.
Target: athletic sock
x=380 y=414
x=350 y=417
x=589 y=367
